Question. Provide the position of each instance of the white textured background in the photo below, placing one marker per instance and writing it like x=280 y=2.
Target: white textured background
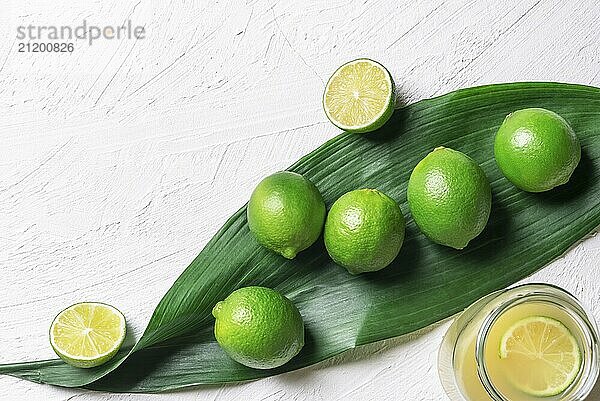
x=119 y=161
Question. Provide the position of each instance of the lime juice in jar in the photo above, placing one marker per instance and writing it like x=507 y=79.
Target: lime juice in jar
x=528 y=343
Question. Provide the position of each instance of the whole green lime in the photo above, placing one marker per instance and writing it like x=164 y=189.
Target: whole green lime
x=286 y=213
x=258 y=327
x=536 y=149
x=364 y=230
x=449 y=197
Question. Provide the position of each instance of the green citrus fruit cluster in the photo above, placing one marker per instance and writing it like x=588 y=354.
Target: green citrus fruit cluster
x=260 y=328
x=364 y=229
x=449 y=197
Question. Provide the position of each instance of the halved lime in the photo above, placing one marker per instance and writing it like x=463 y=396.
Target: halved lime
x=544 y=347
x=87 y=334
x=359 y=96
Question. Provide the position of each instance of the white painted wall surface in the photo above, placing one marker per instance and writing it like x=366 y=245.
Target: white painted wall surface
x=119 y=161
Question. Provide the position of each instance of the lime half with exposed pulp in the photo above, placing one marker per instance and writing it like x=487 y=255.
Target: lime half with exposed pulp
x=87 y=334
x=359 y=96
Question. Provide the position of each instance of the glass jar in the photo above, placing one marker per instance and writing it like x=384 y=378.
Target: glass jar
x=462 y=366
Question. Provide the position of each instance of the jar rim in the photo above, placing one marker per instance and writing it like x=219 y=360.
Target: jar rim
x=548 y=293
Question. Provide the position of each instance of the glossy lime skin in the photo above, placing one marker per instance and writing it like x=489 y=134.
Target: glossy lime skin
x=286 y=213
x=449 y=197
x=536 y=149
x=258 y=327
x=364 y=231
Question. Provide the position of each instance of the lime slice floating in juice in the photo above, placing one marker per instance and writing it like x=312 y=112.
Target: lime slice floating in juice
x=544 y=347
x=359 y=96
x=87 y=334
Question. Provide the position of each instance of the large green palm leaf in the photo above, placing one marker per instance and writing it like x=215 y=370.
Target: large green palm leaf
x=425 y=284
